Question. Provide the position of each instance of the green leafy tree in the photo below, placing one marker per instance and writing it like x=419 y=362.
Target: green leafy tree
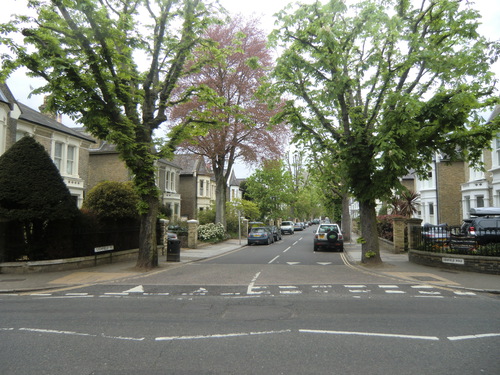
x=112 y=200
x=113 y=66
x=271 y=189
x=326 y=172
x=384 y=86
x=32 y=192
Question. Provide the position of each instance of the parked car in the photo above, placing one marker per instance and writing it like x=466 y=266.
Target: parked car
x=328 y=236
x=436 y=233
x=298 y=226
x=287 y=227
x=484 y=225
x=252 y=224
x=260 y=235
x=276 y=232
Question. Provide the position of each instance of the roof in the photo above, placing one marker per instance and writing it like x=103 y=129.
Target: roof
x=495 y=113
x=6 y=96
x=30 y=115
x=191 y=164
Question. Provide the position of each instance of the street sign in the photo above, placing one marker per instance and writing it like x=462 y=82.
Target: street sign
x=453 y=260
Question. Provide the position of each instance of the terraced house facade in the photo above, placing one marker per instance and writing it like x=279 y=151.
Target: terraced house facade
x=67 y=147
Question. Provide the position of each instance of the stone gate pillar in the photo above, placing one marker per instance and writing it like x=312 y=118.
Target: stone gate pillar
x=192 y=234
x=398 y=231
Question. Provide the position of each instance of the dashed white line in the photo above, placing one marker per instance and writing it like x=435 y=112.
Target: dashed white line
x=219 y=336
x=433 y=338
x=272 y=260
x=470 y=337
x=390 y=291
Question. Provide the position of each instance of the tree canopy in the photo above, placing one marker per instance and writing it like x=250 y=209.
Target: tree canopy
x=383 y=86
x=240 y=62
x=113 y=66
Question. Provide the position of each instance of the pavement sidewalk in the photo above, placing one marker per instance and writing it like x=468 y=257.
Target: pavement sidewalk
x=395 y=266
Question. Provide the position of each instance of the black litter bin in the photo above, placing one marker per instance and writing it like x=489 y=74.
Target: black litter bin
x=173 y=250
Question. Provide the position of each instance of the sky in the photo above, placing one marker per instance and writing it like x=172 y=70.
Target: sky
x=21 y=85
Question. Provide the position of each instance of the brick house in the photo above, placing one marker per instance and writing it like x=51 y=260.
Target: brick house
x=197 y=185
x=106 y=165
x=452 y=189
x=67 y=147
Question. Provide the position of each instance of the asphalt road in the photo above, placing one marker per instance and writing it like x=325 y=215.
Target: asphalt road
x=278 y=309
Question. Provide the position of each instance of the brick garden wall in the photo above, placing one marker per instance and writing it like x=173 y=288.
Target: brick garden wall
x=472 y=263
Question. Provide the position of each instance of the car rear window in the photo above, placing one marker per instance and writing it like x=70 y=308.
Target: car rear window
x=327 y=228
x=258 y=230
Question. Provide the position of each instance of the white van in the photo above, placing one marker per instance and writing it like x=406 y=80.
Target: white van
x=287 y=227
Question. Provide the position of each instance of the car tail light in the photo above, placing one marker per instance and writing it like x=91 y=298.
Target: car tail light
x=341 y=237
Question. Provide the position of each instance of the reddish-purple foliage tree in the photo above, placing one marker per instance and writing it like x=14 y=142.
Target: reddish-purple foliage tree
x=241 y=127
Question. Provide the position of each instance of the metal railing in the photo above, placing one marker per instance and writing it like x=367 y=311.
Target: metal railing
x=452 y=240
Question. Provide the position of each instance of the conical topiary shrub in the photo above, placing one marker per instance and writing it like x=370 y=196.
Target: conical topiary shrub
x=32 y=192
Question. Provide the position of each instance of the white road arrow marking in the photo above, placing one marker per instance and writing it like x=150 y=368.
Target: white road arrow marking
x=324 y=263
x=137 y=289
x=292 y=263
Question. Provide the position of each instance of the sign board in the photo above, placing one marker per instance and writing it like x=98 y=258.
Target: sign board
x=453 y=260
x=103 y=248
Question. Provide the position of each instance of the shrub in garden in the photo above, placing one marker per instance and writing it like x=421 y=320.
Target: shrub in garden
x=112 y=200
x=33 y=196
x=211 y=232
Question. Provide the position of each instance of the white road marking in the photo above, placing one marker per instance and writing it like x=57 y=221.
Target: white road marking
x=430 y=293
x=72 y=333
x=292 y=263
x=388 y=286
x=395 y=292
x=458 y=293
x=288 y=248
x=355 y=286
x=272 y=260
x=469 y=337
x=324 y=263
x=422 y=287
x=289 y=289
x=220 y=336
x=137 y=289
x=433 y=338
x=252 y=284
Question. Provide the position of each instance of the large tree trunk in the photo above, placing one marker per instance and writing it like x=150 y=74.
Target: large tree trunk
x=220 y=198
x=370 y=252
x=346 y=218
x=148 y=249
